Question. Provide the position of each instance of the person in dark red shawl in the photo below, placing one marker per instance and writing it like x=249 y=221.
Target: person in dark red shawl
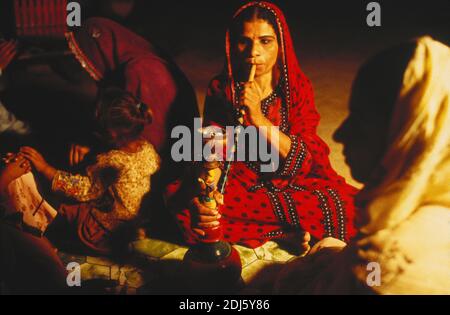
x=305 y=193
x=114 y=55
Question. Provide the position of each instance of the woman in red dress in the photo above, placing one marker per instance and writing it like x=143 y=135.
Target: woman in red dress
x=304 y=193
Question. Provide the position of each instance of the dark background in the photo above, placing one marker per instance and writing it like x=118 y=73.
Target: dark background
x=332 y=40
x=200 y=24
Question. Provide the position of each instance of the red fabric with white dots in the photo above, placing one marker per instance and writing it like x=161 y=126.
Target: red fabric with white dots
x=305 y=193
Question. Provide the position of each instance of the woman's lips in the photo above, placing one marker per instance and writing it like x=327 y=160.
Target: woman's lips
x=254 y=61
x=259 y=66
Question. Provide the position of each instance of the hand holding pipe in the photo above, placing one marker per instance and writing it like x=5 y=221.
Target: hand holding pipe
x=251 y=78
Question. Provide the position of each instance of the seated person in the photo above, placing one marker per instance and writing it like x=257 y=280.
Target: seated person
x=110 y=193
x=304 y=195
x=397 y=142
x=28 y=263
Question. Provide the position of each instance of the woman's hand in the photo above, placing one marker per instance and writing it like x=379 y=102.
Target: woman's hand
x=77 y=153
x=250 y=98
x=298 y=241
x=38 y=161
x=35 y=158
x=8 y=158
x=327 y=242
x=205 y=217
x=15 y=166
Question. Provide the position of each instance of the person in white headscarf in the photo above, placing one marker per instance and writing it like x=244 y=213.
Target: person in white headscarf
x=397 y=142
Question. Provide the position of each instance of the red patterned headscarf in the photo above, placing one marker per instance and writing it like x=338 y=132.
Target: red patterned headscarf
x=295 y=83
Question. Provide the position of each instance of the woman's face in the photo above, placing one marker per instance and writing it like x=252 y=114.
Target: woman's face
x=363 y=135
x=257 y=44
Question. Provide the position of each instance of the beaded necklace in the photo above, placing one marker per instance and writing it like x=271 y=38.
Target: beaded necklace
x=268 y=101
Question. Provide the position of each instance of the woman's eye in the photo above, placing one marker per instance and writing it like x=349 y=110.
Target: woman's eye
x=266 y=41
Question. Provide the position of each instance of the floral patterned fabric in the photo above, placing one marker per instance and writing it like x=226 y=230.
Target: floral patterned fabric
x=115 y=184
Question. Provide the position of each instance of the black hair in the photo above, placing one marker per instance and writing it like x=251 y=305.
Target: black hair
x=249 y=14
x=379 y=80
x=121 y=112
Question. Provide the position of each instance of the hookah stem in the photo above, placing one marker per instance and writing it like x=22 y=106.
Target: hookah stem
x=240 y=121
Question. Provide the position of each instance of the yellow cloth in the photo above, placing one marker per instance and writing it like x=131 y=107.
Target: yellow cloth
x=407 y=227
x=418 y=156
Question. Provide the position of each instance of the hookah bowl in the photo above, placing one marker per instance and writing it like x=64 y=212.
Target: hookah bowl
x=212 y=264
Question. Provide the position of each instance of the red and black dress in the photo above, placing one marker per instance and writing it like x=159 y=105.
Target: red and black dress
x=305 y=193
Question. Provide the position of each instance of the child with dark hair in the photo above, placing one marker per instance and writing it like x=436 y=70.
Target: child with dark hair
x=110 y=193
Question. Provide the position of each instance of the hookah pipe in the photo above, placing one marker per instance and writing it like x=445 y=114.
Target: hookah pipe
x=240 y=120
x=214 y=234
x=211 y=257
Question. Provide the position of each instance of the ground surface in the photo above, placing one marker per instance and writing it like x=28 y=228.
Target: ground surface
x=156 y=267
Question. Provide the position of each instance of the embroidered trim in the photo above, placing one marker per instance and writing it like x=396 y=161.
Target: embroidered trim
x=269 y=100
x=274 y=234
x=297 y=187
x=265 y=103
x=81 y=57
x=295 y=157
x=268 y=185
x=340 y=213
x=291 y=209
x=257 y=186
x=277 y=207
x=291 y=156
x=272 y=192
x=326 y=211
x=284 y=125
x=301 y=158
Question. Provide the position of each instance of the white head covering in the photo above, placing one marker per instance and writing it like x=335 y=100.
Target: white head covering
x=417 y=159
x=408 y=249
